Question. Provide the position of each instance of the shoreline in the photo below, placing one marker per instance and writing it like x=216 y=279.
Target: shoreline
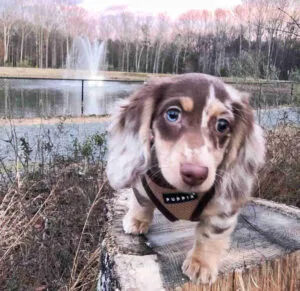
x=49 y=73
x=52 y=120
x=97 y=118
x=37 y=73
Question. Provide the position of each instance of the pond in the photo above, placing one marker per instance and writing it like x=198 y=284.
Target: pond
x=45 y=98
x=26 y=98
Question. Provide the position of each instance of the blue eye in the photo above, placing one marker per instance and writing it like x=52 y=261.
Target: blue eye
x=222 y=125
x=173 y=115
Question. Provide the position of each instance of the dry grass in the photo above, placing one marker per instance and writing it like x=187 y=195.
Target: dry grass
x=52 y=225
x=280 y=177
x=53 y=120
x=73 y=74
x=50 y=229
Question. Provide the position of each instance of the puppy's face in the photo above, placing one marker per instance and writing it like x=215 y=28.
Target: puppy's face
x=199 y=126
x=192 y=126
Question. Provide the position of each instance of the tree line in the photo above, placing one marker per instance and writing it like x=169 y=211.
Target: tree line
x=259 y=38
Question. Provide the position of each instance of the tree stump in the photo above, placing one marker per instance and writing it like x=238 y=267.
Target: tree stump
x=264 y=253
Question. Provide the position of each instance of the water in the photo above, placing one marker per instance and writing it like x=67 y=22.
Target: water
x=272 y=118
x=47 y=98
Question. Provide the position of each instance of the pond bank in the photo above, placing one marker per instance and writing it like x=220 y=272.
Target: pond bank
x=73 y=74
x=52 y=120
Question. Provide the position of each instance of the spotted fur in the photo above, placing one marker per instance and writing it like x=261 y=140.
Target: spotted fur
x=141 y=128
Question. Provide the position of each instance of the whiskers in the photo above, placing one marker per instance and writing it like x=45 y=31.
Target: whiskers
x=155 y=170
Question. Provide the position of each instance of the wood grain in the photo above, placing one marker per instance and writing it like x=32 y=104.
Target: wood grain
x=264 y=253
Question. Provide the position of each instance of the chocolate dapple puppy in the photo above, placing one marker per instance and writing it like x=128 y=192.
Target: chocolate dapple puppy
x=189 y=146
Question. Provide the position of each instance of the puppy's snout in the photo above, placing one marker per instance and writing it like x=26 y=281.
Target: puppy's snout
x=193 y=174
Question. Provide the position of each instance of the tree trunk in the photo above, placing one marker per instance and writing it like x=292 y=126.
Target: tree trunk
x=123 y=60
x=147 y=57
x=258 y=43
x=240 y=44
x=67 y=51
x=176 y=61
x=157 y=58
x=41 y=48
x=127 y=57
x=6 y=40
x=47 y=49
x=37 y=47
x=163 y=65
x=136 y=56
x=22 y=45
x=269 y=56
x=62 y=62
x=54 y=53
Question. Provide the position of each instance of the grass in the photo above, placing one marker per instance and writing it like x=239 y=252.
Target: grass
x=73 y=74
x=53 y=120
x=51 y=226
x=52 y=215
x=279 y=180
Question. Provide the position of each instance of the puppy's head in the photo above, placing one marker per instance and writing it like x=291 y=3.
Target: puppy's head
x=196 y=125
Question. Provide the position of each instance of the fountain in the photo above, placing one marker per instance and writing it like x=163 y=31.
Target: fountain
x=84 y=61
x=86 y=55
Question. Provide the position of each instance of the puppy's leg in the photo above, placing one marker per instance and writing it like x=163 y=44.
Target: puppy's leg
x=212 y=240
x=139 y=215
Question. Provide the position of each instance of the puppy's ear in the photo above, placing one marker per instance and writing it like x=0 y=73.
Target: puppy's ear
x=247 y=137
x=246 y=152
x=130 y=134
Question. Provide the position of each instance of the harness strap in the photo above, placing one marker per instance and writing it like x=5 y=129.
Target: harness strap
x=202 y=204
x=173 y=204
x=187 y=206
x=154 y=173
x=157 y=203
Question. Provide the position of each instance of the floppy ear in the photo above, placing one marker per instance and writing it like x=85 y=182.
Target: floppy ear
x=247 y=136
x=246 y=152
x=130 y=134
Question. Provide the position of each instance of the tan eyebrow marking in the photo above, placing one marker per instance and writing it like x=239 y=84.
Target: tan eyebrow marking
x=216 y=108
x=187 y=103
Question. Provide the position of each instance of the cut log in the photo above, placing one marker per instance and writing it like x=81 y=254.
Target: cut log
x=264 y=253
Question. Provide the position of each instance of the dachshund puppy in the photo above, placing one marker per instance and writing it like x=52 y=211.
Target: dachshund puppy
x=189 y=146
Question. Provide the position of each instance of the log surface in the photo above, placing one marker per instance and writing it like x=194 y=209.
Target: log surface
x=264 y=253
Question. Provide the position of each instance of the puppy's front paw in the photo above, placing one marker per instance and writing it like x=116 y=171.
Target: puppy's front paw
x=199 y=271
x=134 y=226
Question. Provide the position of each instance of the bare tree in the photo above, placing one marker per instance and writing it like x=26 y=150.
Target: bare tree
x=8 y=18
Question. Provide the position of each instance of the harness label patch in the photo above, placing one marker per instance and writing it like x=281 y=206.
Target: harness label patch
x=172 y=198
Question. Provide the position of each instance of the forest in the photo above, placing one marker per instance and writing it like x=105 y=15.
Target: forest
x=258 y=39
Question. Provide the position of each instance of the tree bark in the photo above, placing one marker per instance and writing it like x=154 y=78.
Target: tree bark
x=22 y=45
x=54 y=53
x=41 y=48
x=6 y=41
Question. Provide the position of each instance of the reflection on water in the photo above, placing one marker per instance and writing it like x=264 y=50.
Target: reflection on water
x=271 y=118
x=45 y=98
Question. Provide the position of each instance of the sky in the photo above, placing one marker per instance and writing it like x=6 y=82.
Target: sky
x=170 y=7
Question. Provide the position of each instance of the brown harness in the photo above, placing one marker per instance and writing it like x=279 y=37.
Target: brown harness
x=173 y=204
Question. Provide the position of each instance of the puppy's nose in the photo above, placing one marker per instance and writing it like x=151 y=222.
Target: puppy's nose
x=193 y=174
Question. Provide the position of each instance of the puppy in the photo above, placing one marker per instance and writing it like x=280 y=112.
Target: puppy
x=189 y=146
